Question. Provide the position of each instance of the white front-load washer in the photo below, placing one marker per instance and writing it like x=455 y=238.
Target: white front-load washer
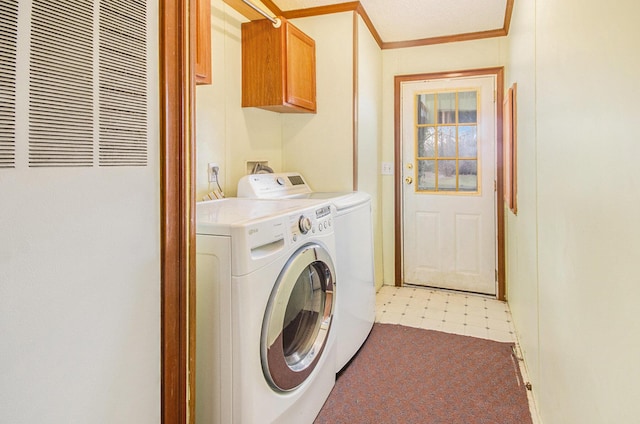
x=265 y=336
x=356 y=298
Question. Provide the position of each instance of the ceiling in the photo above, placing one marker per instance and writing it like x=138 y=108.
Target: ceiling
x=408 y=20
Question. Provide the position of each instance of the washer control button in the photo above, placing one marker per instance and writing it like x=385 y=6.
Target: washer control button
x=304 y=223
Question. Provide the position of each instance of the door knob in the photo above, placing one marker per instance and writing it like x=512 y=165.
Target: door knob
x=408 y=180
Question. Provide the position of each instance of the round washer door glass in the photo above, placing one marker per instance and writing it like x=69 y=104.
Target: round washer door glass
x=298 y=318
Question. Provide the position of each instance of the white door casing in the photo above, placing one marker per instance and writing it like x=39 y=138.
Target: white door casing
x=449 y=239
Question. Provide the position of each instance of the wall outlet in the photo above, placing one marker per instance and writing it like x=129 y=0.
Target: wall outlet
x=212 y=171
x=387 y=168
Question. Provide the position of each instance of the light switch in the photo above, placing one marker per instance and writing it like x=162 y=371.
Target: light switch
x=387 y=168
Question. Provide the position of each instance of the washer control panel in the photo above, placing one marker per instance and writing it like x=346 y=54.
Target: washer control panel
x=275 y=186
x=312 y=221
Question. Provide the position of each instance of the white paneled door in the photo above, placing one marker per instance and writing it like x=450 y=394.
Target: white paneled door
x=449 y=173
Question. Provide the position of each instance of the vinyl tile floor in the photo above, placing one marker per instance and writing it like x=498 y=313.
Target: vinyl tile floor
x=447 y=311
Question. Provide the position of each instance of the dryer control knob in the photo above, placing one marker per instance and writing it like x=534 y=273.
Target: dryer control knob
x=304 y=223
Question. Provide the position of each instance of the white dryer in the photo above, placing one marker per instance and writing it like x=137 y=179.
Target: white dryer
x=265 y=350
x=356 y=298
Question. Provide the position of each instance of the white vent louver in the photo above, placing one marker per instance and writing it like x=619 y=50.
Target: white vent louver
x=8 y=42
x=123 y=83
x=61 y=84
x=65 y=83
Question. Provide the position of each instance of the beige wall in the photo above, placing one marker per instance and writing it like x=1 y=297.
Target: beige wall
x=320 y=145
x=578 y=123
x=521 y=230
x=437 y=58
x=369 y=125
x=226 y=133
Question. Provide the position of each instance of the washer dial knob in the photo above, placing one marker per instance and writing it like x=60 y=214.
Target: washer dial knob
x=304 y=223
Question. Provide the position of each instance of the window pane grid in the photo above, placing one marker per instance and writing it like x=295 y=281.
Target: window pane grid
x=446 y=141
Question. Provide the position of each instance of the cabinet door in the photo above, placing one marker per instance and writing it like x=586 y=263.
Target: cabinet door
x=301 y=69
x=203 y=41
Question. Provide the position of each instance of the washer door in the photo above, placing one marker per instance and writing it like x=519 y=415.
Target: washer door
x=298 y=318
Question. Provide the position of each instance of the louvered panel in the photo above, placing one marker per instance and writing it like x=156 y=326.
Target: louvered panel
x=61 y=84
x=123 y=83
x=8 y=43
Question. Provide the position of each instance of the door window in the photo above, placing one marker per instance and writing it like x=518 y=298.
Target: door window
x=446 y=141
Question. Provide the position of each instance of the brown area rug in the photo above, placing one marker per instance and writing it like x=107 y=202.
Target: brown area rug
x=410 y=375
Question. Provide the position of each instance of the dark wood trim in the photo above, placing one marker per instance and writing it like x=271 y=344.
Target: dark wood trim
x=398 y=80
x=369 y=24
x=355 y=105
x=498 y=32
x=509 y=148
x=251 y=13
x=357 y=6
x=502 y=283
x=514 y=146
x=507 y=16
x=337 y=8
x=176 y=77
x=445 y=39
x=397 y=179
x=203 y=42
x=273 y=7
x=321 y=10
x=188 y=190
x=244 y=10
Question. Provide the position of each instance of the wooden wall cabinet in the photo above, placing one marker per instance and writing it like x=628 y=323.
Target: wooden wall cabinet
x=203 y=41
x=278 y=67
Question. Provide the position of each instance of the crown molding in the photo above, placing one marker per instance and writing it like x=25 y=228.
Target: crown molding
x=356 y=6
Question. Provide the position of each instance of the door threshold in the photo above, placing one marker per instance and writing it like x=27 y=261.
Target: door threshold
x=420 y=286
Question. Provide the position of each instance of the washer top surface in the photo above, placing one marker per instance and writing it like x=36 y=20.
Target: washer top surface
x=291 y=185
x=340 y=199
x=216 y=217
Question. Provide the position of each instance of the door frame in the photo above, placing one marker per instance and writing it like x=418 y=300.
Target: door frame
x=177 y=245
x=498 y=72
